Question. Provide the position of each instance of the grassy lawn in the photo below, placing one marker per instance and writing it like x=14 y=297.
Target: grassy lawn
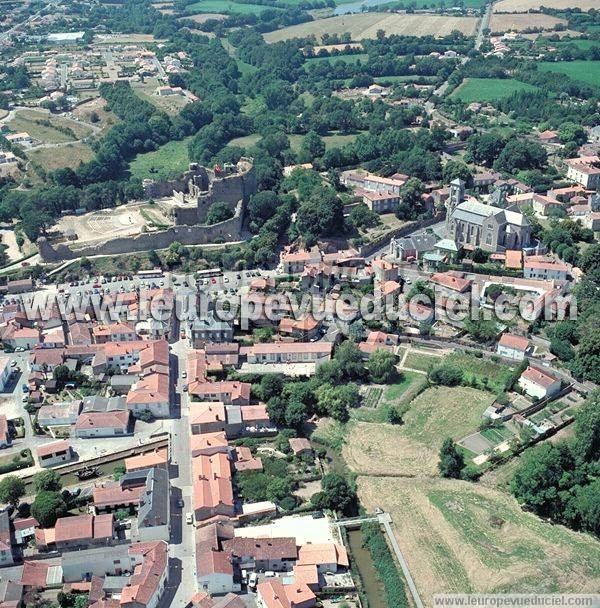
x=421 y=361
x=170 y=159
x=245 y=142
x=464 y=538
x=489 y=89
x=349 y=58
x=582 y=44
x=57 y=131
x=330 y=433
x=496 y=373
x=585 y=71
x=440 y=412
x=70 y=155
x=225 y=6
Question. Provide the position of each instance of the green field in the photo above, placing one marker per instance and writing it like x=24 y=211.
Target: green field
x=585 y=71
x=582 y=44
x=489 y=89
x=349 y=58
x=495 y=373
x=170 y=159
x=225 y=6
x=421 y=361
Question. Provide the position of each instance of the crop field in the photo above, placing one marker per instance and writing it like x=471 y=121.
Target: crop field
x=47 y=128
x=366 y=25
x=580 y=43
x=522 y=6
x=412 y=448
x=585 y=71
x=518 y=22
x=488 y=89
x=69 y=155
x=464 y=538
x=170 y=159
x=204 y=17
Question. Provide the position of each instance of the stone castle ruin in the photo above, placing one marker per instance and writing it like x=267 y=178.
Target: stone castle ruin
x=189 y=198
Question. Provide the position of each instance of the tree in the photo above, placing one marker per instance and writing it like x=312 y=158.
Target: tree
x=296 y=414
x=219 y=212
x=484 y=148
x=537 y=479
x=586 y=443
x=271 y=385
x=12 y=489
x=481 y=330
x=587 y=506
x=446 y=374
x=47 y=480
x=278 y=489
x=520 y=154
x=349 y=358
x=276 y=408
x=362 y=217
x=335 y=401
x=262 y=206
x=330 y=371
x=455 y=169
x=336 y=493
x=321 y=215
x=570 y=132
x=312 y=146
x=48 y=507
x=410 y=196
x=451 y=460
x=382 y=366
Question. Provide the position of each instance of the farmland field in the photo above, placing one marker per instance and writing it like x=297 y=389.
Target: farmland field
x=488 y=89
x=172 y=158
x=463 y=538
x=411 y=448
x=522 y=21
x=421 y=361
x=585 y=71
x=507 y=6
x=366 y=25
x=582 y=44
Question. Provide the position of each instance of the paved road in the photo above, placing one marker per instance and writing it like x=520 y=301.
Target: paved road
x=182 y=562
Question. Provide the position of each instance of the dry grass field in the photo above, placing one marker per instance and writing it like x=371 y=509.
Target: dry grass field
x=412 y=448
x=460 y=537
x=365 y=25
x=518 y=6
x=69 y=155
x=518 y=22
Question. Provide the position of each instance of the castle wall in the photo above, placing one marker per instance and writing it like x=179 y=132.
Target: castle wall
x=229 y=230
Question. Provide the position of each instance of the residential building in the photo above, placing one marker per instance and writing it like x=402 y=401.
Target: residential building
x=539 y=383
x=59 y=414
x=145 y=587
x=327 y=557
x=5 y=373
x=54 y=454
x=214 y=567
x=273 y=593
x=229 y=392
x=83 y=531
x=584 y=170
x=157 y=458
x=545 y=270
x=513 y=347
x=212 y=487
x=150 y=393
x=102 y=424
x=263 y=554
x=384 y=270
x=411 y=248
x=209 y=329
x=289 y=352
x=6 y=552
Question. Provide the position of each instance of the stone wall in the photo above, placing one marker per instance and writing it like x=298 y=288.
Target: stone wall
x=227 y=231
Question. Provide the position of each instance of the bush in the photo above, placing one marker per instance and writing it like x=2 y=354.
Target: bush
x=385 y=565
x=446 y=375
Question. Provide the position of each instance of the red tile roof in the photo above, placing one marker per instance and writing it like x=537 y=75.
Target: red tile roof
x=539 y=377
x=52 y=448
x=514 y=342
x=143 y=584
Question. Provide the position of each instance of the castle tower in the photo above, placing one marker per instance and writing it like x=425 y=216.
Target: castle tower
x=457 y=195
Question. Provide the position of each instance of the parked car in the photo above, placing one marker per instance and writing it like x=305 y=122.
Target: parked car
x=189 y=518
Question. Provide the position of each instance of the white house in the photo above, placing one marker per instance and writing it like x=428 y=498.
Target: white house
x=5 y=371
x=52 y=454
x=545 y=271
x=513 y=347
x=539 y=383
